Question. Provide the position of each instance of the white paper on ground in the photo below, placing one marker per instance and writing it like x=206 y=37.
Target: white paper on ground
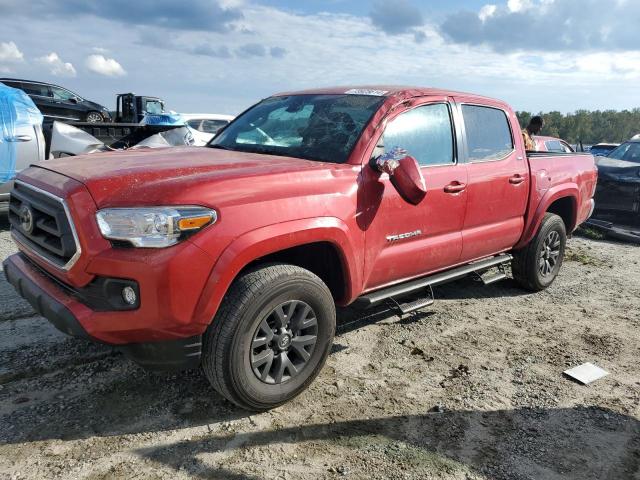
x=586 y=373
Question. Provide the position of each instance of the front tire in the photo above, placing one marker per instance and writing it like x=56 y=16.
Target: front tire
x=94 y=117
x=270 y=337
x=536 y=266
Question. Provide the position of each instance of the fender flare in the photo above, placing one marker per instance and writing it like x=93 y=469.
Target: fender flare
x=565 y=190
x=271 y=239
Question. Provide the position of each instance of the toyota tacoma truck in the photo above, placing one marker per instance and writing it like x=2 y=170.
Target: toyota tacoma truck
x=234 y=256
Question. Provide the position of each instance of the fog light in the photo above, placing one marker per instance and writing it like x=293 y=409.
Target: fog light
x=129 y=295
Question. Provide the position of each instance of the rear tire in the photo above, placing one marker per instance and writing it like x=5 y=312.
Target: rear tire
x=270 y=337
x=536 y=266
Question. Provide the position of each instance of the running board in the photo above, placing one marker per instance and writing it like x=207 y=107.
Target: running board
x=432 y=281
x=412 y=306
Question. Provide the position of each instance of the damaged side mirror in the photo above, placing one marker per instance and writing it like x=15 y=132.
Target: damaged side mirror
x=404 y=173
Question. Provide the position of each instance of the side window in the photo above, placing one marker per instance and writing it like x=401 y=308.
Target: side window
x=61 y=93
x=424 y=132
x=567 y=148
x=195 y=124
x=36 y=89
x=554 y=146
x=212 y=126
x=488 y=133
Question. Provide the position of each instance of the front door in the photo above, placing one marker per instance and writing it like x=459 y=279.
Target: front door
x=67 y=104
x=498 y=186
x=404 y=240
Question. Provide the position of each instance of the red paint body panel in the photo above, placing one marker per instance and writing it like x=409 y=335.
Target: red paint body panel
x=266 y=204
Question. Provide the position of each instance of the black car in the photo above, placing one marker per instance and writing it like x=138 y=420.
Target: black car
x=57 y=103
x=618 y=191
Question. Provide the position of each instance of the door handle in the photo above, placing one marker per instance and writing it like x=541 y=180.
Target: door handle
x=19 y=138
x=516 y=179
x=455 y=187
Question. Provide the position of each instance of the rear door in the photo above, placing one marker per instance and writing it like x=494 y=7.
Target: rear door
x=498 y=183
x=42 y=97
x=405 y=240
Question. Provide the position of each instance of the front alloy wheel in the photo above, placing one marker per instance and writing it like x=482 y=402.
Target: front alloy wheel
x=284 y=342
x=94 y=117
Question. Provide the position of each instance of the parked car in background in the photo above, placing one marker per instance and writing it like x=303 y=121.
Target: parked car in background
x=306 y=200
x=552 y=144
x=208 y=123
x=618 y=191
x=21 y=138
x=58 y=103
x=603 y=149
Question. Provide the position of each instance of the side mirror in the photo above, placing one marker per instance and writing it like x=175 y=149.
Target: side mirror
x=404 y=173
x=73 y=100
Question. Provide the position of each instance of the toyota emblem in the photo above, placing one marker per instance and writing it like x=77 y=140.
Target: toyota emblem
x=26 y=219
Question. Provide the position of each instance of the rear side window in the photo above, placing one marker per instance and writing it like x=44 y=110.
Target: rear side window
x=36 y=89
x=212 y=126
x=554 y=146
x=425 y=133
x=488 y=133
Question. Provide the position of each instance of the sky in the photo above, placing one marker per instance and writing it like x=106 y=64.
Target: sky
x=221 y=56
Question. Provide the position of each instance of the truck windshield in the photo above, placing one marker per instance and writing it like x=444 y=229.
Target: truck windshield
x=312 y=127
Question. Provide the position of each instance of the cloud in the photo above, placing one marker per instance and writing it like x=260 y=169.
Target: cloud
x=396 y=17
x=206 y=15
x=251 y=50
x=548 y=25
x=104 y=66
x=278 y=52
x=221 y=51
x=56 y=66
x=9 y=53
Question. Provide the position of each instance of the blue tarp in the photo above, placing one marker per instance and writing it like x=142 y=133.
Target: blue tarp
x=163 y=119
x=16 y=110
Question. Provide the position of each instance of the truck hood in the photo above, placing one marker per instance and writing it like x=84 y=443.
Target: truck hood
x=184 y=175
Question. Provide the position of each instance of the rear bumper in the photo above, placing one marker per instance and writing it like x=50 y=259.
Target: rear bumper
x=53 y=303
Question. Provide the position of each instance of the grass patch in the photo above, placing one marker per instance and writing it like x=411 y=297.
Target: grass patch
x=583 y=258
x=591 y=233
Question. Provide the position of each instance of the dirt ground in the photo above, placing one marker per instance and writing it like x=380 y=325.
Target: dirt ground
x=469 y=388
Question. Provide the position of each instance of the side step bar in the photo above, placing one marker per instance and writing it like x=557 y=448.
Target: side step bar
x=378 y=296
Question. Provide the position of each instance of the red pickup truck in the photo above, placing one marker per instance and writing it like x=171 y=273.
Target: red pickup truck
x=233 y=256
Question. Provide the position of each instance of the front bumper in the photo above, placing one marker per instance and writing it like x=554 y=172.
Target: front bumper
x=69 y=315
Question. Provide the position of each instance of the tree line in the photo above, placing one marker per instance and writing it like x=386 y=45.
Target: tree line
x=589 y=127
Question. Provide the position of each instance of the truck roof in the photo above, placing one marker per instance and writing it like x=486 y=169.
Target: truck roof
x=400 y=91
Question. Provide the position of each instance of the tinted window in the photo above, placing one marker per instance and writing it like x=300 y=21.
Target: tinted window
x=61 y=93
x=35 y=89
x=488 y=133
x=12 y=84
x=313 y=127
x=212 y=126
x=424 y=132
x=194 y=124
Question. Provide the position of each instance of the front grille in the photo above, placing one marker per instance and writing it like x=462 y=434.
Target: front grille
x=39 y=221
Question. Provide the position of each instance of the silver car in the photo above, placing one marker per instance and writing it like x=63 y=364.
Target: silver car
x=29 y=147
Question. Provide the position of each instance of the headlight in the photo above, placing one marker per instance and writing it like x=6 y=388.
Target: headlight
x=153 y=227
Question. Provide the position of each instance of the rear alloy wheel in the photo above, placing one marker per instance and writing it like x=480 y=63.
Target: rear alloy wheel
x=536 y=266
x=94 y=117
x=270 y=337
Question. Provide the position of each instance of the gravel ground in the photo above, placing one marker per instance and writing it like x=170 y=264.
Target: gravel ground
x=469 y=388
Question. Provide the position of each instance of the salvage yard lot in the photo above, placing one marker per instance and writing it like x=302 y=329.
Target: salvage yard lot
x=469 y=388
